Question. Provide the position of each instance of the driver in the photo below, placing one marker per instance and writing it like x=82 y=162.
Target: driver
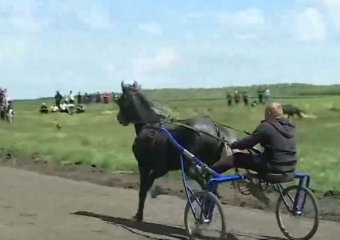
x=276 y=135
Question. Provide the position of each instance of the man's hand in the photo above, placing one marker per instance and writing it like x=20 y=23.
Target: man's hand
x=231 y=145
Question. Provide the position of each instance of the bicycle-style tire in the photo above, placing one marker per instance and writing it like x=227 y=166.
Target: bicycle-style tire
x=212 y=199
x=315 y=206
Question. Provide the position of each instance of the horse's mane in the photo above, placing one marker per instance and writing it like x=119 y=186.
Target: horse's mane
x=146 y=102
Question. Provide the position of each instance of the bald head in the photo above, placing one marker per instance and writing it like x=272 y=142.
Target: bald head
x=273 y=111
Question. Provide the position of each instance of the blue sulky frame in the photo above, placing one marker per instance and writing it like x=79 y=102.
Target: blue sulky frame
x=217 y=179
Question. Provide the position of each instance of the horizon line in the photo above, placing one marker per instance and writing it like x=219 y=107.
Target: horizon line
x=195 y=88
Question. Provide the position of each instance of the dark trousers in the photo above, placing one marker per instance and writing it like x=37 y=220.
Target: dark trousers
x=261 y=99
x=248 y=161
x=254 y=162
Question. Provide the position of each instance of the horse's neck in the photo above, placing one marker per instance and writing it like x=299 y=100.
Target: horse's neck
x=145 y=110
x=145 y=116
x=138 y=127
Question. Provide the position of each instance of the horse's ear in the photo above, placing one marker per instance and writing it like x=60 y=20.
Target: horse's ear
x=123 y=85
x=135 y=84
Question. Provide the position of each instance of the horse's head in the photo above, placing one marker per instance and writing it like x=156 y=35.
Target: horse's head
x=133 y=106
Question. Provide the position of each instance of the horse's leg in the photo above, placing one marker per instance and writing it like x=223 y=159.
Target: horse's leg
x=147 y=179
x=146 y=182
x=192 y=173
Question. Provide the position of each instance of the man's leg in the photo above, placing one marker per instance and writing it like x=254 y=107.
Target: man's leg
x=255 y=164
x=245 y=161
x=223 y=165
x=239 y=160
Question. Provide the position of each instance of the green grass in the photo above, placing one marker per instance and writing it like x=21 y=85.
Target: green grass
x=277 y=90
x=96 y=137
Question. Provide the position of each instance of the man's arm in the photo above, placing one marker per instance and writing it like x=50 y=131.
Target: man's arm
x=250 y=141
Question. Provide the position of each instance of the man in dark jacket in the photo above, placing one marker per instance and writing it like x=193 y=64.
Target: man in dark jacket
x=79 y=98
x=260 y=93
x=276 y=135
x=229 y=99
x=245 y=98
x=58 y=99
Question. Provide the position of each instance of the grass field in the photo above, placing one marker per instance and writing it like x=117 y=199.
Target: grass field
x=95 y=137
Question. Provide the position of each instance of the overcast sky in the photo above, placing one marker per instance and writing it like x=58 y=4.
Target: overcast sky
x=92 y=45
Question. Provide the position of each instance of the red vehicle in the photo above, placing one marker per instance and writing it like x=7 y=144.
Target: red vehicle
x=106 y=98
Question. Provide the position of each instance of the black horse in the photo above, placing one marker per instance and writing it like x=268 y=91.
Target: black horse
x=155 y=154
x=291 y=110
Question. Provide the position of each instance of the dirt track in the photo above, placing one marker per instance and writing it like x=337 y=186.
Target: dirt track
x=35 y=206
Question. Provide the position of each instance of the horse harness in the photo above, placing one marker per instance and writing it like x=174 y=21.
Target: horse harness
x=177 y=122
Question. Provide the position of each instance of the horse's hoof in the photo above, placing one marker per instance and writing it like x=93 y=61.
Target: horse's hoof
x=155 y=192
x=137 y=218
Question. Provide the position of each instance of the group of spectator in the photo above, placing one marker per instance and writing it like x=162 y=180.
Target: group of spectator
x=68 y=102
x=82 y=99
x=237 y=98
x=63 y=104
x=263 y=97
x=94 y=98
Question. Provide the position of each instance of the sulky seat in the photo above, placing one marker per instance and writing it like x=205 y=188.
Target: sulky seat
x=277 y=177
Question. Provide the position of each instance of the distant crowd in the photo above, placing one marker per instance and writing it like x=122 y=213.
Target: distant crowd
x=263 y=97
x=82 y=99
x=71 y=103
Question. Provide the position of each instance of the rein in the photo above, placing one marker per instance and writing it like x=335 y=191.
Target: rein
x=177 y=122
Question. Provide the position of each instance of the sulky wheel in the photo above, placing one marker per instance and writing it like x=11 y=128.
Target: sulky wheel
x=302 y=223
x=206 y=219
